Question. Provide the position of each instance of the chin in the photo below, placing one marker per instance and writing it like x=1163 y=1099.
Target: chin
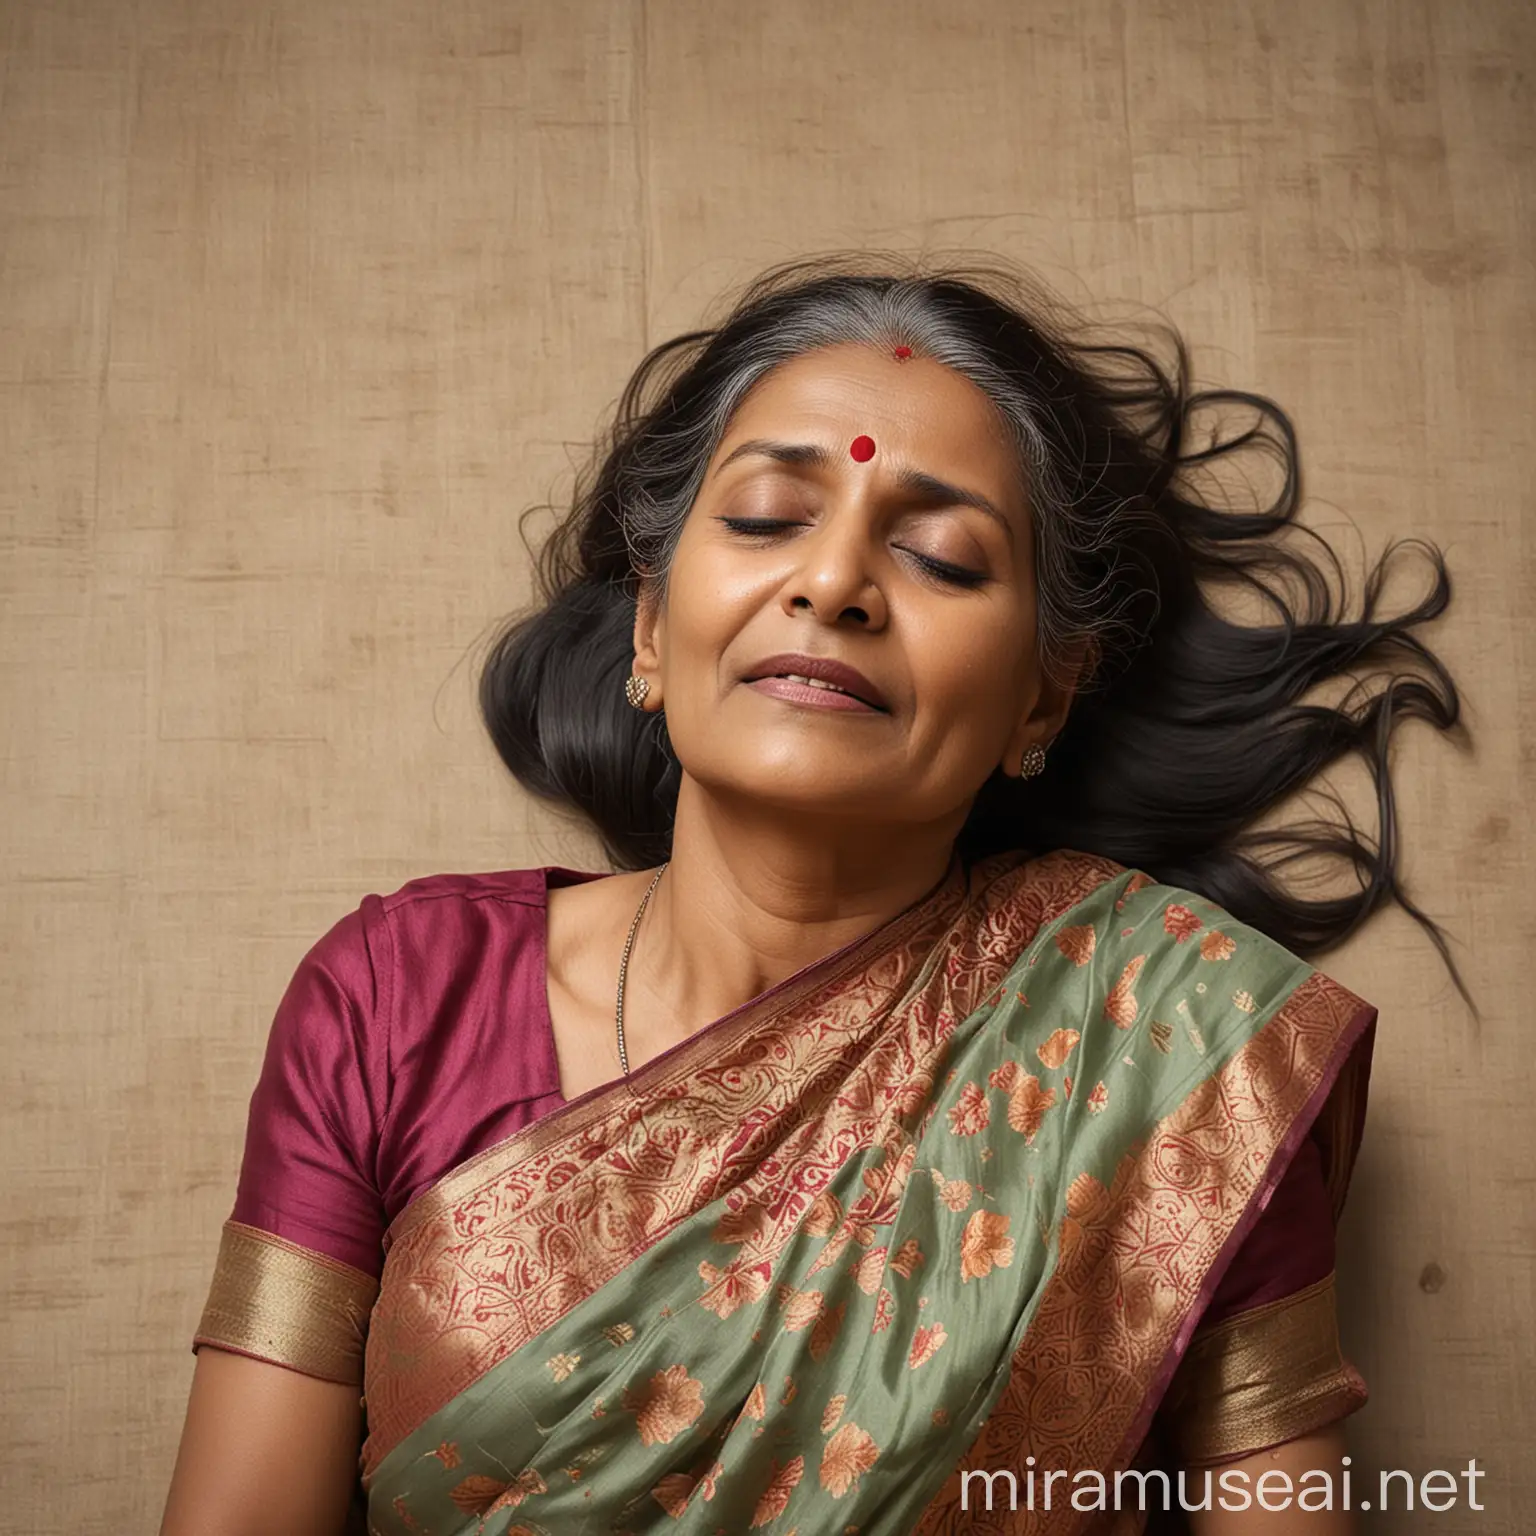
x=807 y=787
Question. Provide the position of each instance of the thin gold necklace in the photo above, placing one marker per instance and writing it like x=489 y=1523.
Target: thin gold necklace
x=618 y=1012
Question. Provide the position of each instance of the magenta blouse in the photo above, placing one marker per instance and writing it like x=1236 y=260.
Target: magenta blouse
x=416 y=1032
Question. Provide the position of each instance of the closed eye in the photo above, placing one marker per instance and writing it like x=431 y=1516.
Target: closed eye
x=757 y=524
x=958 y=575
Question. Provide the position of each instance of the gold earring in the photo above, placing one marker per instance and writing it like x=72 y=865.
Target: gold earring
x=635 y=690
x=1033 y=762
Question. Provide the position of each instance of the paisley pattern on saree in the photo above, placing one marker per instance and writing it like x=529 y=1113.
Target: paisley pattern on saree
x=952 y=1195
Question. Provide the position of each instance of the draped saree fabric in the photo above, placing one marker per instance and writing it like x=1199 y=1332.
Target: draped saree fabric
x=954 y=1197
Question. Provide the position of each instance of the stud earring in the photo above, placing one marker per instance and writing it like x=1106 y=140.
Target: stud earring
x=635 y=690
x=1033 y=762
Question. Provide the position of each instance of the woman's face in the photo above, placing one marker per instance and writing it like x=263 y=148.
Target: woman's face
x=800 y=549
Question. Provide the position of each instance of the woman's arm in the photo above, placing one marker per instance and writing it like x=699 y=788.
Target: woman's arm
x=264 y=1449
x=1319 y=1452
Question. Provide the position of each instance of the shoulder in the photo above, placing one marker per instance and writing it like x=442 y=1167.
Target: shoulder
x=444 y=905
x=1079 y=888
x=1091 y=907
x=405 y=945
x=423 y=984
x=1135 y=943
x=1018 y=893
x=502 y=887
x=362 y=937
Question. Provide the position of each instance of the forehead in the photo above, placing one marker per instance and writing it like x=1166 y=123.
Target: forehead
x=918 y=412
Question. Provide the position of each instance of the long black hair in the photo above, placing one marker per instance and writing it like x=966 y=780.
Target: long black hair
x=1188 y=726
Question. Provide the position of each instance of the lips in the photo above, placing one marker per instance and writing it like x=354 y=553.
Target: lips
x=820 y=671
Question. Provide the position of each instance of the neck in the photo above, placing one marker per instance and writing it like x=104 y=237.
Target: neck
x=750 y=897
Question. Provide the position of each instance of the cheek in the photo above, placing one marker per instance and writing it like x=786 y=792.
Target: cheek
x=707 y=603
x=971 y=670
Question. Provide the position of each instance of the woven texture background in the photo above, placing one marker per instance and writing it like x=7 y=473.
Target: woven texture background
x=302 y=303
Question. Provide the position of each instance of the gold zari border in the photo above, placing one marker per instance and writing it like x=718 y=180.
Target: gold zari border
x=1263 y=1377
x=278 y=1301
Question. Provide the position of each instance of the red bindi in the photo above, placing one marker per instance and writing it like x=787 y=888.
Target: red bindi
x=862 y=448
x=903 y=353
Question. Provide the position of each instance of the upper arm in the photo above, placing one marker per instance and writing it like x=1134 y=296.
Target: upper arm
x=1264 y=1386
x=263 y=1449
x=274 y=1421
x=310 y=1168
x=1265 y=1366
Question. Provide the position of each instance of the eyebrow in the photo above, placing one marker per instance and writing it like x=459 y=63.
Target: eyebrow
x=927 y=488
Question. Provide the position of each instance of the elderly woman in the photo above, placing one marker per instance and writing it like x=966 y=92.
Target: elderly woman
x=932 y=1125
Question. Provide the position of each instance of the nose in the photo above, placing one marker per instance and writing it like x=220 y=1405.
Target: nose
x=834 y=577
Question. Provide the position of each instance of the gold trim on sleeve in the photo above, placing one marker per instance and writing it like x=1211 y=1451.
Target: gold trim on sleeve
x=1260 y=1378
x=288 y=1304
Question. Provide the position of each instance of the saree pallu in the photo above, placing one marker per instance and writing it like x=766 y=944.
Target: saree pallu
x=952 y=1198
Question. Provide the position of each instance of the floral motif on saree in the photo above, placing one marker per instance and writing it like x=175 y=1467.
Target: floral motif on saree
x=953 y=1197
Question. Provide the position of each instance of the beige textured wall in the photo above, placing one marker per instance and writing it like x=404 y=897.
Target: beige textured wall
x=301 y=302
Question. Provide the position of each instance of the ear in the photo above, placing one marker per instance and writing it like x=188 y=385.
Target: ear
x=1053 y=701
x=650 y=614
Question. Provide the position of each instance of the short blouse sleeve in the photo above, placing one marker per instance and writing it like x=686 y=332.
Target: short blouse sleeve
x=300 y=1255
x=1265 y=1364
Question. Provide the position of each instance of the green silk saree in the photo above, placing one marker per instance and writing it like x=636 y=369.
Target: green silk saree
x=951 y=1198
